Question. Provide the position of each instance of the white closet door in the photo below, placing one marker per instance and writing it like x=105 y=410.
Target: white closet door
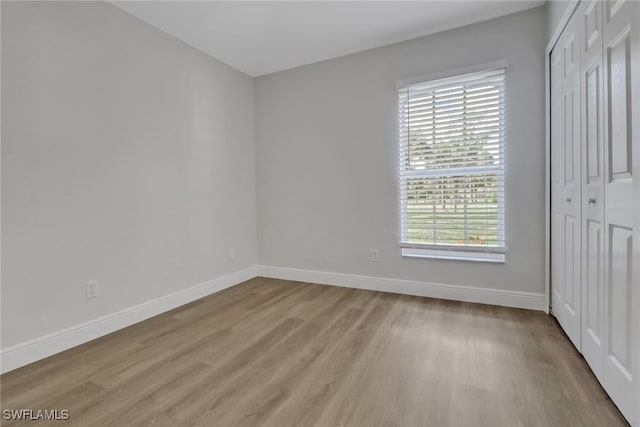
x=557 y=179
x=569 y=315
x=635 y=131
x=590 y=17
x=621 y=56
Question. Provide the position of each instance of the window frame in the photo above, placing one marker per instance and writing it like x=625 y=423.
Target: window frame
x=463 y=252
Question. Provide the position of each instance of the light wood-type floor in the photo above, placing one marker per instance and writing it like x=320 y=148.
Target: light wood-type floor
x=279 y=353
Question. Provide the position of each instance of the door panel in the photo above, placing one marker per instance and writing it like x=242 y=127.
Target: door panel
x=635 y=156
x=592 y=214
x=569 y=258
x=557 y=179
x=571 y=309
x=569 y=138
x=620 y=293
x=565 y=183
x=569 y=263
x=612 y=8
x=592 y=15
x=594 y=295
x=621 y=56
x=619 y=84
x=593 y=140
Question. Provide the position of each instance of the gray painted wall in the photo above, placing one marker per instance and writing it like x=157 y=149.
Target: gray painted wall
x=555 y=11
x=130 y=158
x=326 y=147
x=127 y=157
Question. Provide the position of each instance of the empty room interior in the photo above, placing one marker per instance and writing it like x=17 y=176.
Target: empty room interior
x=320 y=213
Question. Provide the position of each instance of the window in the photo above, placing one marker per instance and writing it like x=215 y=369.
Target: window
x=452 y=167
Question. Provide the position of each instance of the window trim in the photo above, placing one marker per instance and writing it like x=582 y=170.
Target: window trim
x=493 y=254
x=455 y=255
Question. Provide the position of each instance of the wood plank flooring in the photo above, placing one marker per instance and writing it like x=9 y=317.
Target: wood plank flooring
x=278 y=353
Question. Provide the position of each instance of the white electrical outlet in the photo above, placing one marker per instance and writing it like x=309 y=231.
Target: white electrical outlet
x=92 y=289
x=375 y=255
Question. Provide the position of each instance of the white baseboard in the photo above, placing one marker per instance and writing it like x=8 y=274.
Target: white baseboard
x=500 y=297
x=41 y=347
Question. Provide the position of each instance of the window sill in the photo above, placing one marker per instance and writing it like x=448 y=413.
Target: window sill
x=455 y=255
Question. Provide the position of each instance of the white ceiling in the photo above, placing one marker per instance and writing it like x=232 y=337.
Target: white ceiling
x=262 y=37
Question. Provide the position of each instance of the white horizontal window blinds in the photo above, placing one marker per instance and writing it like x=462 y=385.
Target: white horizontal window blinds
x=452 y=163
